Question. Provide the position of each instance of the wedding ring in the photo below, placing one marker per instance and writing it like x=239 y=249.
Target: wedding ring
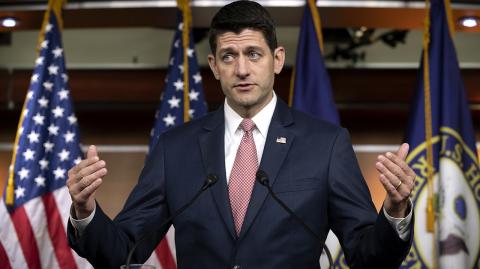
x=398 y=185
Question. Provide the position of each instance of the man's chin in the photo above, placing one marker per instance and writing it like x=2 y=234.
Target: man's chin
x=248 y=103
x=244 y=100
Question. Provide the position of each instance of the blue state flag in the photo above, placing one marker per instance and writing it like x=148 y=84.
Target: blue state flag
x=312 y=92
x=447 y=234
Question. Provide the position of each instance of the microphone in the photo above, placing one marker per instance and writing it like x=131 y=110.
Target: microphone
x=262 y=178
x=210 y=180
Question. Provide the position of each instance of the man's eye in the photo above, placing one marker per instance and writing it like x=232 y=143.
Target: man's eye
x=227 y=58
x=254 y=55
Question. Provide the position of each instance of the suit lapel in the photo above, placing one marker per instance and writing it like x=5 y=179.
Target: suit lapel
x=273 y=156
x=213 y=153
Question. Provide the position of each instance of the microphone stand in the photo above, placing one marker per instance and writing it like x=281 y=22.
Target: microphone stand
x=262 y=178
x=210 y=180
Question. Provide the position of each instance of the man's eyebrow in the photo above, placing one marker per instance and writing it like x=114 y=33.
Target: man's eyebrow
x=249 y=48
x=226 y=49
x=230 y=49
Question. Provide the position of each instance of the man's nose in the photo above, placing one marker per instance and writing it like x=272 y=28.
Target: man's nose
x=242 y=69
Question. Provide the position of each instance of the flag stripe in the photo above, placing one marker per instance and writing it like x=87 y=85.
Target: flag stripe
x=35 y=212
x=26 y=237
x=57 y=233
x=63 y=200
x=165 y=255
x=9 y=239
x=3 y=258
x=171 y=242
x=153 y=260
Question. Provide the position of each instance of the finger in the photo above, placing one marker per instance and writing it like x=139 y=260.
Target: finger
x=402 y=151
x=407 y=175
x=398 y=161
x=387 y=184
x=87 y=192
x=401 y=155
x=84 y=163
x=86 y=181
x=402 y=187
x=391 y=167
x=396 y=190
x=394 y=180
x=87 y=170
x=390 y=188
x=92 y=177
x=92 y=151
x=75 y=177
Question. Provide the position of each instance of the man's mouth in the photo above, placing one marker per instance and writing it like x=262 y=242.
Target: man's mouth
x=244 y=86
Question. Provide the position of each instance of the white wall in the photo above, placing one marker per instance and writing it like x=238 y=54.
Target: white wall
x=117 y=48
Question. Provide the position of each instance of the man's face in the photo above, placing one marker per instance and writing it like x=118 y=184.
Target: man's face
x=246 y=68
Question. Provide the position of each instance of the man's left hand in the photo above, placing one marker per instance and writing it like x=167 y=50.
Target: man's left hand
x=398 y=179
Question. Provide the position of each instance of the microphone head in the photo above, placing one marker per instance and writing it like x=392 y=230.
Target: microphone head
x=211 y=179
x=262 y=177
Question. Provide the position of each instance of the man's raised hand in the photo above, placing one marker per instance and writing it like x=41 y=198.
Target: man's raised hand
x=83 y=181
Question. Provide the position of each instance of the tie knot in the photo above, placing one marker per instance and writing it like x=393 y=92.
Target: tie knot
x=247 y=125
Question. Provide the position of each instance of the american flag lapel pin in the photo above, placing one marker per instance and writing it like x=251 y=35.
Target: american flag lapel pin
x=281 y=140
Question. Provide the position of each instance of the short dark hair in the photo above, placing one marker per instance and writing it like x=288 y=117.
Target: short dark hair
x=240 y=15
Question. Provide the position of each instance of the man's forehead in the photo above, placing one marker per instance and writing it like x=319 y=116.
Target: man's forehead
x=246 y=37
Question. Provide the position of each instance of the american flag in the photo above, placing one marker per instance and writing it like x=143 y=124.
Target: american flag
x=170 y=111
x=171 y=114
x=33 y=228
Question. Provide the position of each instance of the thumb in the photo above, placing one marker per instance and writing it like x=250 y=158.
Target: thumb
x=402 y=152
x=92 y=151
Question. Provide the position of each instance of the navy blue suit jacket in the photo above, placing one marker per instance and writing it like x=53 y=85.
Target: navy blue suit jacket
x=315 y=173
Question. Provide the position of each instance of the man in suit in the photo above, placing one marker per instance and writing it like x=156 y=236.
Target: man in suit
x=236 y=224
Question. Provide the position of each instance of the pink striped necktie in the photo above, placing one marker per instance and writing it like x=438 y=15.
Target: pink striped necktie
x=242 y=177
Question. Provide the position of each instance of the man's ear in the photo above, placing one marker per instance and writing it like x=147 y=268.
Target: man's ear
x=278 y=59
x=213 y=66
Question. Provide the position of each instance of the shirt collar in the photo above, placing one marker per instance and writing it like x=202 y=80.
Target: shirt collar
x=262 y=119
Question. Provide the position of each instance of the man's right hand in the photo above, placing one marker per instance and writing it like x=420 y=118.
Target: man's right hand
x=83 y=180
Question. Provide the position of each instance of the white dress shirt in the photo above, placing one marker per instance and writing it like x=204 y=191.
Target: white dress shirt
x=233 y=137
x=234 y=134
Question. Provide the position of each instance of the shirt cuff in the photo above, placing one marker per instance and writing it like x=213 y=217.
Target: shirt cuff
x=401 y=225
x=81 y=224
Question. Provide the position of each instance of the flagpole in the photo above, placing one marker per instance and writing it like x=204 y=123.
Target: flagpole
x=56 y=6
x=316 y=22
x=431 y=203
x=184 y=5
x=292 y=86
